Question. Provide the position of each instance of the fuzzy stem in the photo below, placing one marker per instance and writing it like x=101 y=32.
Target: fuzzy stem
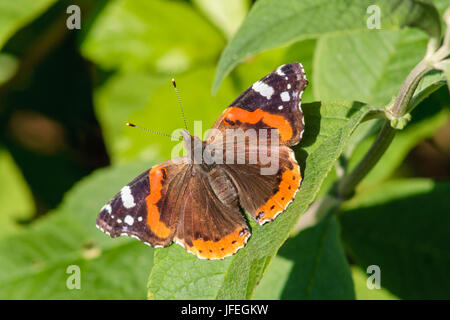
x=345 y=187
x=347 y=184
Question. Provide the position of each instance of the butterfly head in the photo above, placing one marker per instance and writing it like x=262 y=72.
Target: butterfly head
x=193 y=145
x=185 y=135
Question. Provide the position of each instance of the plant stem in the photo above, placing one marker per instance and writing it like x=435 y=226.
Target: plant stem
x=404 y=103
x=346 y=186
x=409 y=86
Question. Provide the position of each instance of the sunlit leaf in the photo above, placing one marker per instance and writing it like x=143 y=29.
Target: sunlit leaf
x=226 y=14
x=150 y=101
x=311 y=265
x=13 y=16
x=272 y=23
x=15 y=197
x=366 y=66
x=147 y=35
x=363 y=292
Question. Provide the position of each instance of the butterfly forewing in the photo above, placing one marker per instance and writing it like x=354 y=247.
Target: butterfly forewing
x=146 y=208
x=274 y=102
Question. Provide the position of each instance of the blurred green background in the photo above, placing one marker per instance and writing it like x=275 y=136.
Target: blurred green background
x=65 y=96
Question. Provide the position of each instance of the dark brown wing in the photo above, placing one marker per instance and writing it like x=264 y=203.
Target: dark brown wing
x=272 y=102
x=148 y=208
x=264 y=195
x=211 y=225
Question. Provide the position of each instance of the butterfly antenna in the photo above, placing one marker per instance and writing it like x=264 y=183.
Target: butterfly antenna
x=152 y=131
x=179 y=102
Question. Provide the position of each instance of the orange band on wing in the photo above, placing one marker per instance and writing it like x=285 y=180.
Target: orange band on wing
x=226 y=246
x=157 y=176
x=275 y=121
x=290 y=182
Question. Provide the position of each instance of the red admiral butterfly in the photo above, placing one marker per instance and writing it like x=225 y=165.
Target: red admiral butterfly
x=197 y=204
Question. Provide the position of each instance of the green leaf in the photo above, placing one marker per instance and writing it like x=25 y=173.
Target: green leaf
x=430 y=83
x=363 y=292
x=8 y=67
x=179 y=275
x=312 y=265
x=445 y=67
x=366 y=66
x=16 y=14
x=146 y=35
x=15 y=197
x=149 y=101
x=402 y=226
x=225 y=14
x=116 y=101
x=110 y=268
x=273 y=23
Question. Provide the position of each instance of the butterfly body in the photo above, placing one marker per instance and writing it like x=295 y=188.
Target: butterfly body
x=196 y=200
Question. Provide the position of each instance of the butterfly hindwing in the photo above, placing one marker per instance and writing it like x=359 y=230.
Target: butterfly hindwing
x=265 y=196
x=211 y=225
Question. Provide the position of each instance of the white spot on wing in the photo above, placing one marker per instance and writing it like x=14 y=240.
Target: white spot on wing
x=280 y=72
x=108 y=208
x=129 y=220
x=127 y=197
x=303 y=70
x=139 y=219
x=285 y=96
x=301 y=67
x=288 y=86
x=263 y=89
x=177 y=241
x=299 y=106
x=280 y=107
